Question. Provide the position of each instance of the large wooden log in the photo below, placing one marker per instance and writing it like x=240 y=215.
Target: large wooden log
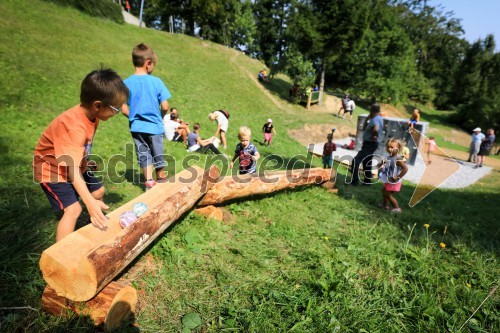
x=239 y=186
x=109 y=308
x=85 y=261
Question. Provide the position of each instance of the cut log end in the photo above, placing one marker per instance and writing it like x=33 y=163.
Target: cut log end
x=75 y=282
x=109 y=308
x=84 y=262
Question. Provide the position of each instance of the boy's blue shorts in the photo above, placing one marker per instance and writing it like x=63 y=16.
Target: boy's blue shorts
x=149 y=148
x=62 y=195
x=328 y=160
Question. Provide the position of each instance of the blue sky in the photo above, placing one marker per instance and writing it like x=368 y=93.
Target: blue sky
x=479 y=17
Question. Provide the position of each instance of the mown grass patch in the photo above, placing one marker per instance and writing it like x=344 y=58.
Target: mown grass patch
x=302 y=260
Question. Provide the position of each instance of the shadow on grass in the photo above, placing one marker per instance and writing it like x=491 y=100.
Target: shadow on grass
x=26 y=319
x=27 y=228
x=467 y=214
x=442 y=118
x=278 y=87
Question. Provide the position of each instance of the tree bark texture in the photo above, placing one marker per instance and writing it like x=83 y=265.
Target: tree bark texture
x=84 y=262
x=239 y=186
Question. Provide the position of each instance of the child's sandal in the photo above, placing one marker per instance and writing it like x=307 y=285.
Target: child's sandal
x=396 y=210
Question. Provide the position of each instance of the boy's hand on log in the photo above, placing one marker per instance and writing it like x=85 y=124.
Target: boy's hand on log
x=97 y=217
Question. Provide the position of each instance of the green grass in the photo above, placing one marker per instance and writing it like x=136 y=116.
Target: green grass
x=299 y=261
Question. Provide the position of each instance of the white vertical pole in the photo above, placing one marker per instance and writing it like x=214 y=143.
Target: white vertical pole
x=140 y=14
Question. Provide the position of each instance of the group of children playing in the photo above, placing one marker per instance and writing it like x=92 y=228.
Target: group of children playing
x=61 y=163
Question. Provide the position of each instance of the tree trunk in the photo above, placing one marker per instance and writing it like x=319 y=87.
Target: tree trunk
x=322 y=81
x=113 y=305
x=85 y=261
x=239 y=186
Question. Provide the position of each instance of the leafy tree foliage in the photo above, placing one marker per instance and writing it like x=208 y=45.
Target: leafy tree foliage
x=386 y=50
x=477 y=86
x=300 y=70
x=382 y=67
x=271 y=16
x=439 y=49
x=325 y=29
x=245 y=28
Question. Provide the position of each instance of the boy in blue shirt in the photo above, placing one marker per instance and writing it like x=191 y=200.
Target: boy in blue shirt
x=147 y=92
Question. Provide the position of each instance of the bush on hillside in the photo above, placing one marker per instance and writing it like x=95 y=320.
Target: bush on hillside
x=100 y=8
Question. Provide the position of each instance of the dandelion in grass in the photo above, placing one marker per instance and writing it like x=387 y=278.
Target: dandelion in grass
x=326 y=238
x=468 y=285
x=427 y=237
x=442 y=245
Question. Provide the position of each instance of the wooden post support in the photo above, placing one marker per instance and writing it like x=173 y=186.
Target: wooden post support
x=85 y=261
x=308 y=106
x=239 y=186
x=113 y=305
x=211 y=212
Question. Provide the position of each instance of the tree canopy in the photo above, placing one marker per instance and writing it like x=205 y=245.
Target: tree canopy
x=384 y=50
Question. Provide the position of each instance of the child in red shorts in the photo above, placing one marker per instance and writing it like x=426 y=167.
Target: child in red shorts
x=392 y=174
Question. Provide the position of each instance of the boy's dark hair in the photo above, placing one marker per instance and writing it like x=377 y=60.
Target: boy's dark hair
x=196 y=126
x=375 y=108
x=174 y=116
x=141 y=53
x=103 y=85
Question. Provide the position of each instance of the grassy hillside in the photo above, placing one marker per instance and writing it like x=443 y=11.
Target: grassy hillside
x=300 y=261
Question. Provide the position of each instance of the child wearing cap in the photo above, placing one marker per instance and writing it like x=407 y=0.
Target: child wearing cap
x=268 y=130
x=477 y=138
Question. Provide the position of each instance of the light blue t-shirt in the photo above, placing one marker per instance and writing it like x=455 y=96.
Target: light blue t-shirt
x=478 y=138
x=146 y=94
x=367 y=134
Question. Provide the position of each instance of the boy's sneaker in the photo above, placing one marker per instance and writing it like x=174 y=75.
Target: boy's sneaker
x=150 y=183
x=162 y=180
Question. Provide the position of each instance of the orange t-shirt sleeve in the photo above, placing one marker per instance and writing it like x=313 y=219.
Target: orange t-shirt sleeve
x=69 y=145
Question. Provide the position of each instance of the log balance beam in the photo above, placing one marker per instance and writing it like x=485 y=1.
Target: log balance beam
x=235 y=187
x=84 y=262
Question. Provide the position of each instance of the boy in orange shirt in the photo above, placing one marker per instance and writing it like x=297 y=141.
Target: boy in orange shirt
x=60 y=158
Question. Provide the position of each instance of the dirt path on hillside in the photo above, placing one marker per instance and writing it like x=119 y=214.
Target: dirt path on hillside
x=254 y=79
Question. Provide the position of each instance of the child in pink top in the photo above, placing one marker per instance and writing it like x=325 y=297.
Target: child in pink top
x=392 y=174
